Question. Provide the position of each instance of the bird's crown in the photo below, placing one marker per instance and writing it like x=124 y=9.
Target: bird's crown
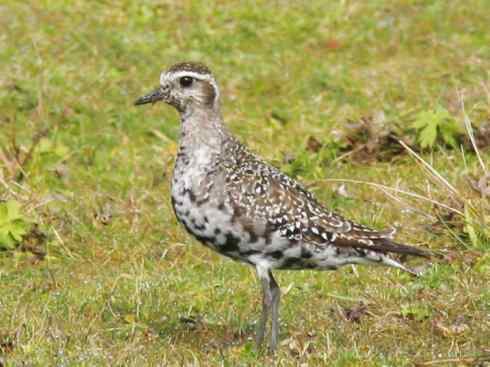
x=192 y=67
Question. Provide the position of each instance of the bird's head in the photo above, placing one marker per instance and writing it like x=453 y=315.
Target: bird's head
x=185 y=86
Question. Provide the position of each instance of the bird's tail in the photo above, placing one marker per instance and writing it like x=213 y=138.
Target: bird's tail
x=387 y=245
x=378 y=243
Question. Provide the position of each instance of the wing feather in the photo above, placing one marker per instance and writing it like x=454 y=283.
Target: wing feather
x=260 y=192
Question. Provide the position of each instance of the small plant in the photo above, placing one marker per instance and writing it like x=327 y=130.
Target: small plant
x=416 y=312
x=434 y=125
x=476 y=226
x=13 y=225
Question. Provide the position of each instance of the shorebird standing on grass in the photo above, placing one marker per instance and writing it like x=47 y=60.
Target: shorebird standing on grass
x=243 y=208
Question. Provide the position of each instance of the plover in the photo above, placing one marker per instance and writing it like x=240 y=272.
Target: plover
x=238 y=205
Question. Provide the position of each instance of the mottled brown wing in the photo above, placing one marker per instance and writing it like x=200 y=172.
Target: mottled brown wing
x=261 y=193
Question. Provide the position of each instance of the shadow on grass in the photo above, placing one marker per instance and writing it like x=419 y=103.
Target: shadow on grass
x=194 y=331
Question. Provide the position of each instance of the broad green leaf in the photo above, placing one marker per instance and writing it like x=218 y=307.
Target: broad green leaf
x=13 y=225
x=18 y=229
x=449 y=136
x=428 y=136
x=6 y=241
x=13 y=209
x=423 y=119
x=434 y=124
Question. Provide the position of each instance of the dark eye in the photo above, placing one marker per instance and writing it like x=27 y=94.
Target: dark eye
x=186 y=81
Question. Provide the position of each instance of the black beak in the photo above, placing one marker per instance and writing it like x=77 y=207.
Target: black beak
x=155 y=96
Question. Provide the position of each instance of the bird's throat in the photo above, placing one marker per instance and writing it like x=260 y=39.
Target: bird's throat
x=202 y=128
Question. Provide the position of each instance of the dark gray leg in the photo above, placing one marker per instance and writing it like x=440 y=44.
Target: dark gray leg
x=263 y=317
x=276 y=298
x=270 y=304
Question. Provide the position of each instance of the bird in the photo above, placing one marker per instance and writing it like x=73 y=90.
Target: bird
x=238 y=205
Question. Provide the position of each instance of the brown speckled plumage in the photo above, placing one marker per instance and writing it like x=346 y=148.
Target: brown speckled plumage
x=245 y=209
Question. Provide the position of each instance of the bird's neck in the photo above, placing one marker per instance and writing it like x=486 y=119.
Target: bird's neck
x=202 y=130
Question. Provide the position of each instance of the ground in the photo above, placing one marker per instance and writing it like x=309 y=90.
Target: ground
x=94 y=268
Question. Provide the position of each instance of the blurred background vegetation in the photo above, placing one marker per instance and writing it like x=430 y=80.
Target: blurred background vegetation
x=382 y=108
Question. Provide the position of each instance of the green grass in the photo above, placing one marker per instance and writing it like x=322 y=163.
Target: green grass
x=137 y=290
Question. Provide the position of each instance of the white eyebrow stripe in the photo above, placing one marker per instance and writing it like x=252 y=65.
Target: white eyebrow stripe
x=179 y=74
